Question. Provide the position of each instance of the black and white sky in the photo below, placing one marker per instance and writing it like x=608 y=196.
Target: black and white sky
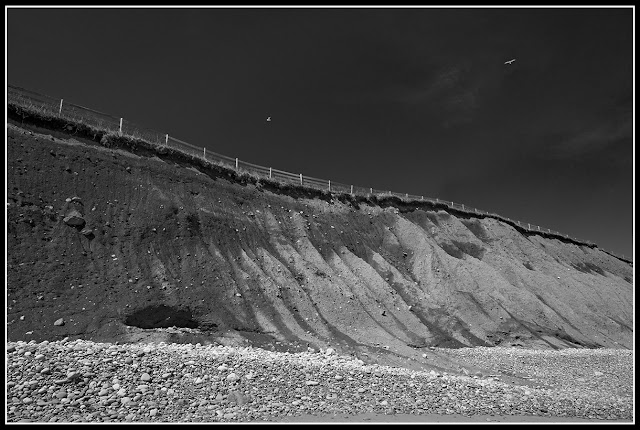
x=415 y=100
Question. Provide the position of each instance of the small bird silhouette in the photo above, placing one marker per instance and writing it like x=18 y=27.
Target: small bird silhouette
x=510 y=61
x=268 y=119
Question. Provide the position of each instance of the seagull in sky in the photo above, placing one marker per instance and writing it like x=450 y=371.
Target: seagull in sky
x=510 y=61
x=268 y=119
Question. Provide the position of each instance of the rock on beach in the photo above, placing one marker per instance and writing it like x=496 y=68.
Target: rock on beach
x=93 y=382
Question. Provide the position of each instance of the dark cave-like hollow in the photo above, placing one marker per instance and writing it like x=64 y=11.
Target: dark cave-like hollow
x=160 y=316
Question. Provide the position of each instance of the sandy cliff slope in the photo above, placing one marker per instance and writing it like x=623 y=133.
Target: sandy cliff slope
x=126 y=244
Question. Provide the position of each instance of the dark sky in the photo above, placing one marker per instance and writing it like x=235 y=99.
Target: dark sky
x=413 y=100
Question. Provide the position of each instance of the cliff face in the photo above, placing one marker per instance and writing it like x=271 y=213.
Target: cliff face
x=114 y=242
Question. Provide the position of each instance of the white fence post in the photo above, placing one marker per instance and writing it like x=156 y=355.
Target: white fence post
x=269 y=172
x=236 y=163
x=300 y=178
x=421 y=197
x=204 y=152
x=120 y=125
x=351 y=189
x=329 y=184
x=166 y=139
x=462 y=207
x=371 y=190
x=60 y=110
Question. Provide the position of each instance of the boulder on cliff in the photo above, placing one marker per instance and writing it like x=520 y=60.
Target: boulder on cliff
x=74 y=219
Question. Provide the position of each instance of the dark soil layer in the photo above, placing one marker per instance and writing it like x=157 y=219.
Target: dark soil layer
x=122 y=244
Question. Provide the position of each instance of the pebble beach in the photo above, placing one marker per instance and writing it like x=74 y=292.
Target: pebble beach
x=84 y=381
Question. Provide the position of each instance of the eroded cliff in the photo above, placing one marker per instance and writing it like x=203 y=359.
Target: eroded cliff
x=158 y=243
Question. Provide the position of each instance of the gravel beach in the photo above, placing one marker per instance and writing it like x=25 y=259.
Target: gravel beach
x=83 y=381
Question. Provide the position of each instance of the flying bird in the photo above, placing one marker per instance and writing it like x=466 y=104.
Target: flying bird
x=510 y=61
x=268 y=119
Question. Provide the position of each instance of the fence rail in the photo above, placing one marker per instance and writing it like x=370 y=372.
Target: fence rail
x=58 y=107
